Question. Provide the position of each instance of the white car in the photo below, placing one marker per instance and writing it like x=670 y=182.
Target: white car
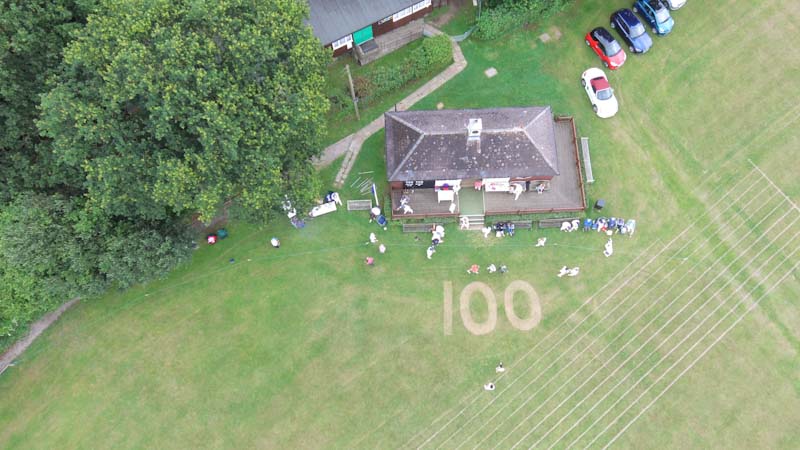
x=600 y=93
x=675 y=4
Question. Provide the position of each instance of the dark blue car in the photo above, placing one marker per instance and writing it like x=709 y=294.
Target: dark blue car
x=631 y=30
x=656 y=14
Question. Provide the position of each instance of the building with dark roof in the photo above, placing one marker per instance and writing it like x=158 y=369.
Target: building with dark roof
x=520 y=160
x=355 y=25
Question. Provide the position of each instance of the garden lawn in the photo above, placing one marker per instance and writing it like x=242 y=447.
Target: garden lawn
x=306 y=347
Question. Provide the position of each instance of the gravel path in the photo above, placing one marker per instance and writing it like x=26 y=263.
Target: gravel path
x=37 y=328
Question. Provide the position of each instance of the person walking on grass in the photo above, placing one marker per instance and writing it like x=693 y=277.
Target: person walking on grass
x=275 y=242
x=609 y=249
x=431 y=250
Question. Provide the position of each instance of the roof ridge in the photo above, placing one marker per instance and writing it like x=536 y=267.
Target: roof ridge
x=544 y=109
x=539 y=149
x=410 y=152
x=398 y=118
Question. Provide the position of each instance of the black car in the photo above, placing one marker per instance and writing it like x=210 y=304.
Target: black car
x=631 y=30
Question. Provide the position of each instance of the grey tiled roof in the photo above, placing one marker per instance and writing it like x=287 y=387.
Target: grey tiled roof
x=430 y=145
x=334 y=19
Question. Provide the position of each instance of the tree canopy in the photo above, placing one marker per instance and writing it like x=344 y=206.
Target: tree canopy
x=123 y=119
x=33 y=34
x=183 y=105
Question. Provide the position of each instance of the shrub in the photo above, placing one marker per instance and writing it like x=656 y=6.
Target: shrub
x=494 y=22
x=340 y=100
x=51 y=252
x=434 y=54
x=363 y=86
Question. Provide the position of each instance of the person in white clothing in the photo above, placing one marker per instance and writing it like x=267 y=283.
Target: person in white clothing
x=566 y=226
x=486 y=231
x=373 y=239
x=500 y=368
x=488 y=387
x=492 y=268
x=609 y=249
x=564 y=270
x=573 y=272
x=431 y=250
x=541 y=241
x=382 y=248
x=517 y=189
x=464 y=223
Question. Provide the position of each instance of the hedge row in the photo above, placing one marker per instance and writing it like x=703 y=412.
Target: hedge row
x=512 y=14
x=434 y=54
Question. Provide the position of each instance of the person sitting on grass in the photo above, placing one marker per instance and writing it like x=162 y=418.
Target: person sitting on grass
x=473 y=270
x=369 y=260
x=492 y=268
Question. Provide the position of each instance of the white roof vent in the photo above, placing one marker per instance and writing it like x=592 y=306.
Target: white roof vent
x=474 y=129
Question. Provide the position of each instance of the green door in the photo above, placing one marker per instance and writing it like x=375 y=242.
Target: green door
x=362 y=35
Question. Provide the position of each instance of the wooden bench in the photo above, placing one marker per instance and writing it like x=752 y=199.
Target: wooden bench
x=555 y=223
x=418 y=227
x=587 y=161
x=523 y=224
x=359 y=205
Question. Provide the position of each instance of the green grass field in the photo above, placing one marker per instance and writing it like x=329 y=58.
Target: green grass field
x=687 y=337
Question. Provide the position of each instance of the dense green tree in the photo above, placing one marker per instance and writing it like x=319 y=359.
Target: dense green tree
x=33 y=34
x=172 y=107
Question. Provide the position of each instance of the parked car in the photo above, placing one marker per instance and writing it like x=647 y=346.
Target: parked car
x=631 y=30
x=656 y=14
x=600 y=93
x=606 y=47
x=675 y=4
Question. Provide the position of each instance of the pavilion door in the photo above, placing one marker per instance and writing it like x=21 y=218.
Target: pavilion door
x=362 y=35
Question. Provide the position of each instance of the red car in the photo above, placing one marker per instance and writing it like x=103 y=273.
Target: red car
x=606 y=47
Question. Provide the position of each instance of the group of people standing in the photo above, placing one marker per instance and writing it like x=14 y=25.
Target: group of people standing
x=500 y=229
x=491 y=268
x=610 y=225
